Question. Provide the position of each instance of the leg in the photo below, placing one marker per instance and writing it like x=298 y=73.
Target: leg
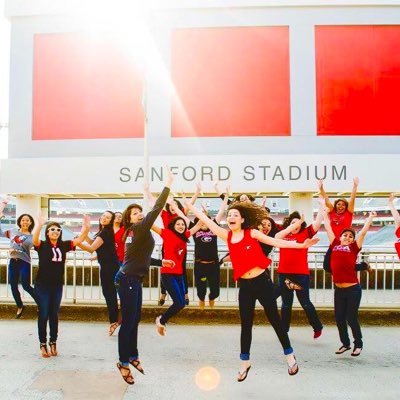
x=43 y=298
x=54 y=309
x=287 y=303
x=129 y=295
x=340 y=302
x=134 y=352
x=200 y=280
x=304 y=299
x=26 y=278
x=214 y=277
x=353 y=304
x=107 y=275
x=176 y=289
x=13 y=278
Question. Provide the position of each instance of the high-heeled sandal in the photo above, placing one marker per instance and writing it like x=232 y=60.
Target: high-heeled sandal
x=43 y=349
x=112 y=328
x=53 y=349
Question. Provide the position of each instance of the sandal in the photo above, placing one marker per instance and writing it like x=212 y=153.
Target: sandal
x=128 y=378
x=294 y=369
x=356 y=351
x=136 y=364
x=243 y=375
x=53 y=348
x=112 y=328
x=161 y=329
x=45 y=352
x=19 y=313
x=342 y=349
x=291 y=285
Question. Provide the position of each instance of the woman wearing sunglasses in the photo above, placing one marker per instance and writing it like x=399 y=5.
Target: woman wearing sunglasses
x=50 y=278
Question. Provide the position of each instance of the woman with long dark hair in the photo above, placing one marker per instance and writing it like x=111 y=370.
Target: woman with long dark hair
x=249 y=268
x=139 y=245
x=104 y=245
x=50 y=277
x=20 y=256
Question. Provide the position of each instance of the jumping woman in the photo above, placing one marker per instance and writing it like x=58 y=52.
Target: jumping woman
x=396 y=217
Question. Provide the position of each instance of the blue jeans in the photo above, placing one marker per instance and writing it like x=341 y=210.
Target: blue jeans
x=48 y=300
x=347 y=302
x=175 y=286
x=17 y=268
x=130 y=294
x=304 y=299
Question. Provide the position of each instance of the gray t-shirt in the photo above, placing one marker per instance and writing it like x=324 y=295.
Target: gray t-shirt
x=21 y=244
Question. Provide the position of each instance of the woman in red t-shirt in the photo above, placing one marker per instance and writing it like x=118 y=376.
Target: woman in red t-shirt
x=341 y=212
x=119 y=231
x=175 y=239
x=294 y=272
x=249 y=268
x=343 y=258
x=396 y=217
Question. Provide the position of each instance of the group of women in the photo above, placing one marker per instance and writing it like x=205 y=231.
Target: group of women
x=124 y=245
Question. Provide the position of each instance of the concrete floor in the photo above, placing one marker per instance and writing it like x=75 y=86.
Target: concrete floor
x=85 y=367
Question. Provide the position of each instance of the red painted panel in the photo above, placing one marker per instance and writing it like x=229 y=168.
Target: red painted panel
x=358 y=80
x=230 y=81
x=84 y=88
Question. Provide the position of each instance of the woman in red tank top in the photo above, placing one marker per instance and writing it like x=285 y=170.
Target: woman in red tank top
x=396 y=217
x=249 y=267
x=341 y=211
x=343 y=258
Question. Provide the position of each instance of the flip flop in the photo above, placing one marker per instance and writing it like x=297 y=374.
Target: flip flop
x=294 y=369
x=127 y=378
x=136 y=364
x=342 y=349
x=243 y=375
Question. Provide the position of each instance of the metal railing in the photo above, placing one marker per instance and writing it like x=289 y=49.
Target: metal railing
x=381 y=286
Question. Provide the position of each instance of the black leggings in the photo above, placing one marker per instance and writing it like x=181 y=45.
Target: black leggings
x=259 y=288
x=207 y=273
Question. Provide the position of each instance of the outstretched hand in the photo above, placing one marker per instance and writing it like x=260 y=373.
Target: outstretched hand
x=356 y=181
x=170 y=177
x=41 y=219
x=311 y=242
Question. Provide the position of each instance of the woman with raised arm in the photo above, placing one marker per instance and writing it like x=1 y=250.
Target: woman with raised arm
x=49 y=282
x=249 y=265
x=341 y=212
x=139 y=245
x=293 y=270
x=344 y=251
x=104 y=245
x=175 y=238
x=119 y=231
x=396 y=217
x=20 y=256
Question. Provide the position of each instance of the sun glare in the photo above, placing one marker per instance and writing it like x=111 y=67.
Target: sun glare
x=207 y=378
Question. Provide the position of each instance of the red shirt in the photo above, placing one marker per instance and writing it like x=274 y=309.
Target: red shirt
x=343 y=262
x=246 y=254
x=339 y=222
x=295 y=261
x=119 y=244
x=174 y=249
x=397 y=244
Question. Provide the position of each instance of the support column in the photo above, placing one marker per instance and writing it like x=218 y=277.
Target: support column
x=30 y=204
x=302 y=202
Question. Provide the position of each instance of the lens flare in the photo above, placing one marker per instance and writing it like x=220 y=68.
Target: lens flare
x=207 y=378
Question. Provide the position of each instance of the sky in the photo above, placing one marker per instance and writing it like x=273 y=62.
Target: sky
x=4 y=73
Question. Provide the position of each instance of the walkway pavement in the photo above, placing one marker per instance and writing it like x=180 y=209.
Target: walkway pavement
x=85 y=367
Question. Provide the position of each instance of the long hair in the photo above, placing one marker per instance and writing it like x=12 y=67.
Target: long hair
x=252 y=213
x=287 y=221
x=126 y=218
x=249 y=196
x=108 y=227
x=49 y=225
x=31 y=226
x=171 y=226
x=274 y=229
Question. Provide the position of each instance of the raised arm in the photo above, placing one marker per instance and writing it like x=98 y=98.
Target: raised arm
x=320 y=215
x=156 y=229
x=324 y=195
x=353 y=195
x=220 y=232
x=256 y=234
x=393 y=210
x=292 y=227
x=91 y=248
x=222 y=208
x=328 y=228
x=84 y=232
x=194 y=197
x=364 y=230
x=40 y=221
x=148 y=195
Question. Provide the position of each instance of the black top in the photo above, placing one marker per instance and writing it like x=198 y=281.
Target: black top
x=107 y=252
x=139 y=242
x=52 y=262
x=206 y=247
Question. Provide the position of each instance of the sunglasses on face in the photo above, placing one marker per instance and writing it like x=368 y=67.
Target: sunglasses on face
x=55 y=229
